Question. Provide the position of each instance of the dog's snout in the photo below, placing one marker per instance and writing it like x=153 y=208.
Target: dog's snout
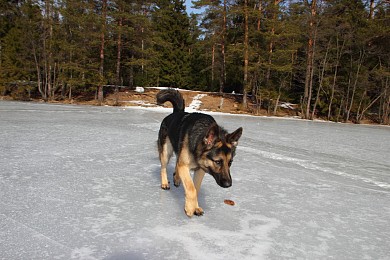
x=226 y=183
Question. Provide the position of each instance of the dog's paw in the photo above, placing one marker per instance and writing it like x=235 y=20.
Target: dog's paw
x=190 y=211
x=165 y=186
x=176 y=180
x=199 y=211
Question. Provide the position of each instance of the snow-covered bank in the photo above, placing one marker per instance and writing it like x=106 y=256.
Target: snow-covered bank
x=80 y=182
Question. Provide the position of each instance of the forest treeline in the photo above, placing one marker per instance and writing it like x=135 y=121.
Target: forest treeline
x=331 y=57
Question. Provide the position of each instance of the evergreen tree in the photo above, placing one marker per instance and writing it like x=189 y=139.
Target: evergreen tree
x=171 y=25
x=199 y=58
x=9 y=13
x=80 y=46
x=21 y=42
x=138 y=38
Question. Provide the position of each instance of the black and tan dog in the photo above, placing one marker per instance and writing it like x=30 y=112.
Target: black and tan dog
x=199 y=144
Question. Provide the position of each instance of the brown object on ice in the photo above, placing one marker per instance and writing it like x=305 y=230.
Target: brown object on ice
x=229 y=202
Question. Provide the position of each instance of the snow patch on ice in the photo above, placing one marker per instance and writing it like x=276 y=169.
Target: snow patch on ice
x=250 y=240
x=271 y=155
x=148 y=126
x=85 y=253
x=140 y=103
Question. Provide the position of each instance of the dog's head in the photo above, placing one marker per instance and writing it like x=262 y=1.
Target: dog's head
x=219 y=150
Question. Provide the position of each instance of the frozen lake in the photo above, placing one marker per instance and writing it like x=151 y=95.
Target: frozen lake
x=80 y=182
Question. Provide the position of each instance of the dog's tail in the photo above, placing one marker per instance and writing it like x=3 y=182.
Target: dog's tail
x=172 y=96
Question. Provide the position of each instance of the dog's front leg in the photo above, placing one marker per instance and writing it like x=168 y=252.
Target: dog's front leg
x=198 y=178
x=191 y=206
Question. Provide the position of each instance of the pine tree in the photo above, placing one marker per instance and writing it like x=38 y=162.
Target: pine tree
x=9 y=12
x=138 y=38
x=171 y=24
x=79 y=45
x=21 y=42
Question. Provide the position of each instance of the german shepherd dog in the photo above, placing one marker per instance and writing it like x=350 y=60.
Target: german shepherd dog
x=199 y=144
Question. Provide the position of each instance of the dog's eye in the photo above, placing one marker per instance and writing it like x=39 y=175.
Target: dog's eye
x=218 y=162
x=230 y=162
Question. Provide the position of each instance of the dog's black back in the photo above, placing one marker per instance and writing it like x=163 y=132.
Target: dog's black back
x=177 y=124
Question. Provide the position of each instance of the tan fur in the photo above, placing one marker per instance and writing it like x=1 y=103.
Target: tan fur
x=184 y=163
x=198 y=178
x=165 y=155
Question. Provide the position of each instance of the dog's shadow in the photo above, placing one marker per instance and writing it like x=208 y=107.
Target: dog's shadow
x=177 y=192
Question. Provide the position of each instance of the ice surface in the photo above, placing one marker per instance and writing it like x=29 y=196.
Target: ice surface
x=80 y=182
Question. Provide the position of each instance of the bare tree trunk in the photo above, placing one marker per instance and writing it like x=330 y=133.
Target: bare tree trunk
x=56 y=71
x=316 y=101
x=257 y=82
x=338 y=57
x=222 y=80
x=340 y=108
x=270 y=51
x=372 y=7
x=386 y=111
x=45 y=70
x=212 y=64
x=142 y=48
x=386 y=104
x=118 y=60
x=361 y=115
x=101 y=68
x=246 y=56
x=257 y=94
x=70 y=93
x=48 y=49
x=310 y=87
x=321 y=80
x=310 y=61
x=271 y=42
x=259 y=15
x=332 y=94
x=358 y=117
x=71 y=77
x=1 y=57
x=38 y=71
x=346 y=102
x=360 y=62
x=70 y=86
x=278 y=98
x=131 y=75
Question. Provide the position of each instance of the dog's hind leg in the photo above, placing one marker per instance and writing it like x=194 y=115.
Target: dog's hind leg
x=176 y=179
x=166 y=152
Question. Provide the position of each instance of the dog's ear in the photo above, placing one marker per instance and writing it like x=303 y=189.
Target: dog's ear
x=211 y=136
x=233 y=137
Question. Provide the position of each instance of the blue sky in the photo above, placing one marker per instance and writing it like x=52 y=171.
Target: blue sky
x=189 y=9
